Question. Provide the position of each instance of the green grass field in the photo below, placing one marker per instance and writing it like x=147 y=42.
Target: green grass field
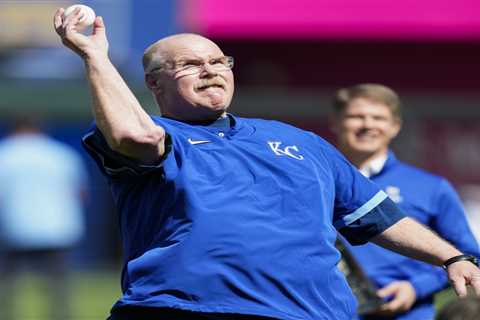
x=93 y=295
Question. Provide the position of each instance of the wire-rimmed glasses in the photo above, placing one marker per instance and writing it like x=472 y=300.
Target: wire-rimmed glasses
x=192 y=66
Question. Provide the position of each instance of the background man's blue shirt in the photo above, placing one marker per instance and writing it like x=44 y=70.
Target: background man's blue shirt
x=40 y=193
x=240 y=220
x=432 y=201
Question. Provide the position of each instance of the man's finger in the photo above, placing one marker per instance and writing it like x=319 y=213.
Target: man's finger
x=460 y=287
x=73 y=18
x=98 y=25
x=393 y=305
x=387 y=290
x=57 y=20
x=475 y=283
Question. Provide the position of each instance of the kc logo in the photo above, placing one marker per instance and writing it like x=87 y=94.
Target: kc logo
x=394 y=193
x=287 y=151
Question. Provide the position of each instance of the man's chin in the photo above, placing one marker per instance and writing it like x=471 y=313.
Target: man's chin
x=365 y=151
x=366 y=147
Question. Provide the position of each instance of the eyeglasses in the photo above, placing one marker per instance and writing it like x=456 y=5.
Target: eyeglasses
x=195 y=66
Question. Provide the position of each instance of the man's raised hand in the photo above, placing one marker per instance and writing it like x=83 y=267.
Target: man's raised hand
x=84 y=45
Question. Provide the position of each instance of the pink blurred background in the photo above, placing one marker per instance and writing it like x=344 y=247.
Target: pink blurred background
x=328 y=19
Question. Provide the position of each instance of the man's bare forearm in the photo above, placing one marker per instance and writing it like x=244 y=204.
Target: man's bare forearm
x=126 y=126
x=414 y=240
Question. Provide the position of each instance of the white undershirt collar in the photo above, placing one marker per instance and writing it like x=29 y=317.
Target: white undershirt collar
x=374 y=166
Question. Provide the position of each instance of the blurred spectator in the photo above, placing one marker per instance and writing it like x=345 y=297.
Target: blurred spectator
x=41 y=193
x=470 y=195
x=367 y=118
x=461 y=309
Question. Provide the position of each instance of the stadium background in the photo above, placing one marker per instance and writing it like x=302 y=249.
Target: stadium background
x=290 y=57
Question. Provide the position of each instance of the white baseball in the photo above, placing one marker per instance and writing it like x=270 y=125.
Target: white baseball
x=87 y=13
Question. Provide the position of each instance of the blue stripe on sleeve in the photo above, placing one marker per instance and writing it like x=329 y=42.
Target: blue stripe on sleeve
x=374 y=222
x=363 y=210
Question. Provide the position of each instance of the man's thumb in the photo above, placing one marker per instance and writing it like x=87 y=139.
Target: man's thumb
x=98 y=25
x=386 y=291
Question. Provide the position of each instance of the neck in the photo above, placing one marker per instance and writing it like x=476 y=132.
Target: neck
x=204 y=119
x=204 y=122
x=360 y=160
x=182 y=111
x=191 y=114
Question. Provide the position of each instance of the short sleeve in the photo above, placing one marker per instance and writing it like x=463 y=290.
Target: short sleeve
x=377 y=220
x=361 y=209
x=114 y=164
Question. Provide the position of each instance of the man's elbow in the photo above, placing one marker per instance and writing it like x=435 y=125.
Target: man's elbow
x=147 y=145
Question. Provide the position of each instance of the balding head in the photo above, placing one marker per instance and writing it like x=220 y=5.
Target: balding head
x=165 y=49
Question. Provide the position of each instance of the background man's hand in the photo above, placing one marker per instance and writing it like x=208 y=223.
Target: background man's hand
x=83 y=45
x=402 y=295
x=461 y=274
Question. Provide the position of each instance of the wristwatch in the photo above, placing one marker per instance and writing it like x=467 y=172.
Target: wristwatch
x=462 y=257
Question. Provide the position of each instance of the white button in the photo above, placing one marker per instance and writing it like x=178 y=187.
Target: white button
x=221 y=134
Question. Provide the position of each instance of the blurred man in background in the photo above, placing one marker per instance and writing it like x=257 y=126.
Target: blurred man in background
x=42 y=189
x=470 y=195
x=225 y=217
x=367 y=117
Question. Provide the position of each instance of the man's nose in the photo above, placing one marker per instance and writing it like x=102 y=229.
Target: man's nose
x=368 y=122
x=208 y=70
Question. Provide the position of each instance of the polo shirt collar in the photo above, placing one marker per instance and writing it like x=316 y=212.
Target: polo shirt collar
x=379 y=164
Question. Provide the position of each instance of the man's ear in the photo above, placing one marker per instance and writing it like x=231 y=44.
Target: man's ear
x=396 y=127
x=153 y=83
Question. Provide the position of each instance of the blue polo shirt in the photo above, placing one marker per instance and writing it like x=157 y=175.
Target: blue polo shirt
x=432 y=201
x=240 y=219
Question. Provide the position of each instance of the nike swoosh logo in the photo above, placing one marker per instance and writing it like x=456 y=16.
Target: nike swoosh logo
x=197 y=141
